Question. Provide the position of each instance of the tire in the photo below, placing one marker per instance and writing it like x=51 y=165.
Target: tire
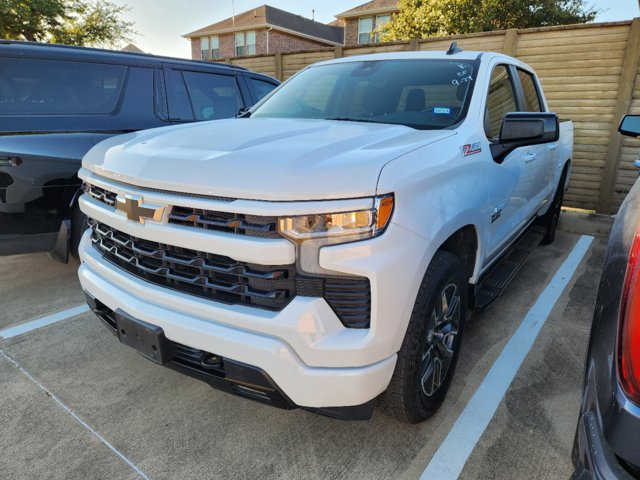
x=78 y=226
x=431 y=343
x=549 y=221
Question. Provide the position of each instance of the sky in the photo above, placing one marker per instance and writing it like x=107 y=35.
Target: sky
x=161 y=23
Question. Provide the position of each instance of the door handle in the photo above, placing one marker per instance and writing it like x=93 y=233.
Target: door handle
x=553 y=146
x=530 y=157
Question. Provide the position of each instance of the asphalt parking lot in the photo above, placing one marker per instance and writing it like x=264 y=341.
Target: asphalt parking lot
x=76 y=404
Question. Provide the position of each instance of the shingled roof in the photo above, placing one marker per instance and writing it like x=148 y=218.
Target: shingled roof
x=268 y=16
x=375 y=6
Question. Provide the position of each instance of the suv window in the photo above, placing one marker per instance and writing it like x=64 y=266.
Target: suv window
x=213 y=96
x=179 y=106
x=501 y=100
x=531 y=99
x=261 y=88
x=50 y=87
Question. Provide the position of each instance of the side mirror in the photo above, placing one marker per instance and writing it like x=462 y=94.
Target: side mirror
x=523 y=129
x=630 y=126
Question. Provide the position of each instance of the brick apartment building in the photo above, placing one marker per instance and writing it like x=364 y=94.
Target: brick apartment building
x=362 y=22
x=259 y=31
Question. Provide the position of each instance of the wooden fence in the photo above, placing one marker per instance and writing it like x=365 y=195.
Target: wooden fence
x=589 y=73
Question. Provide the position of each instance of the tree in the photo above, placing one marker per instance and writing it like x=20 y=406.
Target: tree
x=71 y=22
x=430 y=18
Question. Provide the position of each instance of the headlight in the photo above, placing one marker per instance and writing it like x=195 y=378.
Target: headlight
x=367 y=223
x=311 y=232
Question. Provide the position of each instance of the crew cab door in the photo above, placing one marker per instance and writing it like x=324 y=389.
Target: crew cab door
x=539 y=157
x=512 y=183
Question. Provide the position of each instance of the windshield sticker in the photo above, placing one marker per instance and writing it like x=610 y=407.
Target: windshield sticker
x=471 y=149
x=442 y=110
x=464 y=75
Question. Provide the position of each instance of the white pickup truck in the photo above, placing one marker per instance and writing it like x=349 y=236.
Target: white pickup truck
x=328 y=247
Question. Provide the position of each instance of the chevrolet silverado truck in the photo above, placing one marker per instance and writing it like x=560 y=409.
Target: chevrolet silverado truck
x=327 y=248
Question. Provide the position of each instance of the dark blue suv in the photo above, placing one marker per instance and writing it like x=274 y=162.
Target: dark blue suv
x=56 y=102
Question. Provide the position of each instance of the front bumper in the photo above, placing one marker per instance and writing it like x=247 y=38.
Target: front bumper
x=221 y=373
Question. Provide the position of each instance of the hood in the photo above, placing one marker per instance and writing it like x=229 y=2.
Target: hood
x=260 y=158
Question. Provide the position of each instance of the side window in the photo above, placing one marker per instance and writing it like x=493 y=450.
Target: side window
x=213 y=96
x=56 y=87
x=159 y=96
x=262 y=89
x=179 y=107
x=531 y=99
x=500 y=101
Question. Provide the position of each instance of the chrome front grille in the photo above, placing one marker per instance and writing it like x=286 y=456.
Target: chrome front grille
x=249 y=225
x=235 y=223
x=202 y=274
x=105 y=196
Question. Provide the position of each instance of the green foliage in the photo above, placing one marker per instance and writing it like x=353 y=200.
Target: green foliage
x=431 y=18
x=70 y=22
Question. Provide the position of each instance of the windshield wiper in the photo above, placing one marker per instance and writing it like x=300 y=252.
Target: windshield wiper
x=347 y=119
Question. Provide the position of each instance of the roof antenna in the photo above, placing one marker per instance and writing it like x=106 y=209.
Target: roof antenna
x=453 y=49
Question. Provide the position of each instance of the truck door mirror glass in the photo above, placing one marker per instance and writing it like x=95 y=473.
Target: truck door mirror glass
x=630 y=126
x=524 y=129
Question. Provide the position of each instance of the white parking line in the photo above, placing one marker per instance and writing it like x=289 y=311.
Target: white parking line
x=43 y=321
x=453 y=453
x=72 y=413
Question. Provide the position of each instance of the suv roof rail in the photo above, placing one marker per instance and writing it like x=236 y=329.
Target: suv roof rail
x=117 y=52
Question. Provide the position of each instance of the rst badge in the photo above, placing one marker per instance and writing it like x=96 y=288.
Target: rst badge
x=471 y=148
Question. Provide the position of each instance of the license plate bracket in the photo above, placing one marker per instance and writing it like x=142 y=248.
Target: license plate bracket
x=147 y=339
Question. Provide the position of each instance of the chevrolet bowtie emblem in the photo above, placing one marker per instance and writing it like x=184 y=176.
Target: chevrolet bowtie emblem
x=137 y=211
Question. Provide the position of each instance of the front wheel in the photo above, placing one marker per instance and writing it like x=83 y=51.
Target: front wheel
x=429 y=352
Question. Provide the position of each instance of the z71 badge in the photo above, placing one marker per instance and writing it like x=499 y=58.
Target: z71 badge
x=471 y=148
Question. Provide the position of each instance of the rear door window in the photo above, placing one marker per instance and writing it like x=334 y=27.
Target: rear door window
x=530 y=92
x=213 y=96
x=51 y=87
x=177 y=96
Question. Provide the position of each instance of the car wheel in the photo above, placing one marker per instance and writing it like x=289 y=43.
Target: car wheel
x=427 y=358
x=549 y=221
x=78 y=226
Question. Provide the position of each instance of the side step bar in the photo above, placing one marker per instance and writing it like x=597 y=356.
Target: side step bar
x=496 y=280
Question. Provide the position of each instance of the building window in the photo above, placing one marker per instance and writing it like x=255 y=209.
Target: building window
x=365 y=27
x=245 y=43
x=381 y=21
x=251 y=42
x=239 y=44
x=215 y=47
x=205 y=53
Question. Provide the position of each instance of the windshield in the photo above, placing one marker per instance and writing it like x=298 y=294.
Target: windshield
x=424 y=94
